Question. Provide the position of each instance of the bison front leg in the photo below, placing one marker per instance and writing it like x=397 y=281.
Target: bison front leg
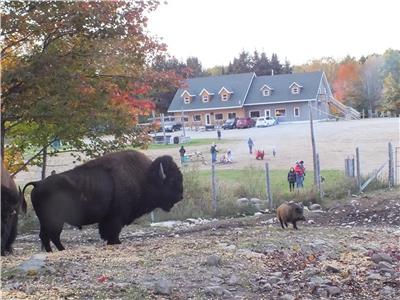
x=109 y=230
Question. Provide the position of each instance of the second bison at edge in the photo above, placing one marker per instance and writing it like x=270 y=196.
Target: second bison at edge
x=112 y=191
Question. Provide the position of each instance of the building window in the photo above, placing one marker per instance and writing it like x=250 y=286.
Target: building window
x=297 y=112
x=205 y=98
x=231 y=115
x=197 y=118
x=266 y=92
x=186 y=100
x=224 y=97
x=280 y=112
x=255 y=114
x=267 y=112
x=295 y=90
x=219 y=117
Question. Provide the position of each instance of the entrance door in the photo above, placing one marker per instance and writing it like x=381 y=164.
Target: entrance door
x=208 y=120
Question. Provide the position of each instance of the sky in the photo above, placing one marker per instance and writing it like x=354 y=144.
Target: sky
x=216 y=31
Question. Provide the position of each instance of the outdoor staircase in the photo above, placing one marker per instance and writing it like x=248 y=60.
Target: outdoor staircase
x=348 y=112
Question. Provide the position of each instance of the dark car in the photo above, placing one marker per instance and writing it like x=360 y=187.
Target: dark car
x=245 y=123
x=171 y=126
x=230 y=124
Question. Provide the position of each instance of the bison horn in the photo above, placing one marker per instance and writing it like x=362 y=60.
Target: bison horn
x=162 y=174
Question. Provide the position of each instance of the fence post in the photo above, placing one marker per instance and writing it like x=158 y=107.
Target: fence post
x=321 y=192
x=213 y=188
x=390 y=175
x=396 y=171
x=268 y=187
x=358 y=169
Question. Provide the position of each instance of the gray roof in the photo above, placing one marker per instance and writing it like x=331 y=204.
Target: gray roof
x=281 y=91
x=236 y=83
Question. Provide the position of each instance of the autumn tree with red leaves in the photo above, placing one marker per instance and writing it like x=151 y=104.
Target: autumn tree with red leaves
x=76 y=71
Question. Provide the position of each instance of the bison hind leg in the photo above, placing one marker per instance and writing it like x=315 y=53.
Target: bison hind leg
x=44 y=237
x=109 y=230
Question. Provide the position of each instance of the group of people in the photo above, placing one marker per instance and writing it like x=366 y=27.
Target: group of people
x=296 y=175
x=225 y=158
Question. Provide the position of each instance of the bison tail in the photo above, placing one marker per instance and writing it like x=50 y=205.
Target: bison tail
x=24 y=205
x=34 y=183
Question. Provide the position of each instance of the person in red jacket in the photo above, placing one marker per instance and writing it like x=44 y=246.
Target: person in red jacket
x=300 y=173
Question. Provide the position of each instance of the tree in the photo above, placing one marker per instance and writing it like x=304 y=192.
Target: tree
x=327 y=64
x=242 y=64
x=276 y=65
x=370 y=73
x=391 y=94
x=262 y=65
x=195 y=67
x=75 y=71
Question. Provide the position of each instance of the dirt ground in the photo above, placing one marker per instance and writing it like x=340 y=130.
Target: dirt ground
x=335 y=141
x=350 y=250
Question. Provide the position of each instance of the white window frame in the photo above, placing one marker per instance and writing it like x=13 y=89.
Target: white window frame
x=295 y=90
x=186 y=100
x=280 y=109
x=194 y=118
x=224 y=97
x=251 y=111
x=266 y=92
x=215 y=116
x=294 y=112
x=269 y=113
x=205 y=98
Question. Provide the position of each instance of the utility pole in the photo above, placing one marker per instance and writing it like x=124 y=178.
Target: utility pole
x=163 y=127
x=183 y=123
x=314 y=151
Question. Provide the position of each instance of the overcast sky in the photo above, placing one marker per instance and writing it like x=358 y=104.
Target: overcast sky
x=215 y=31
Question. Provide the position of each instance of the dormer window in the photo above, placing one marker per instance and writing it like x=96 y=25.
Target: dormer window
x=295 y=88
x=225 y=93
x=205 y=95
x=266 y=90
x=187 y=97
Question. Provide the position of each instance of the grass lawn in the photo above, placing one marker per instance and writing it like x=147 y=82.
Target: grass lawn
x=278 y=178
x=193 y=142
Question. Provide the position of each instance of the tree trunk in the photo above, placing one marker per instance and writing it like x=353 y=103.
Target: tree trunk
x=3 y=132
x=44 y=163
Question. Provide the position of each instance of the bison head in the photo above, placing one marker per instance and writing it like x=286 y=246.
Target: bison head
x=165 y=182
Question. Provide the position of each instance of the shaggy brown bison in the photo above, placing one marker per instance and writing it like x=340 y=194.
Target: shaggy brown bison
x=290 y=212
x=112 y=191
x=11 y=204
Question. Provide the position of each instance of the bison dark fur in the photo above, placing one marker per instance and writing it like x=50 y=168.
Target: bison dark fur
x=290 y=212
x=11 y=204
x=112 y=191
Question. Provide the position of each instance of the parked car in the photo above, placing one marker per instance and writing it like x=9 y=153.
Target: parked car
x=171 y=126
x=230 y=124
x=245 y=123
x=265 y=121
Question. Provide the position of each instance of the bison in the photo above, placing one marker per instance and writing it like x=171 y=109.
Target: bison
x=11 y=204
x=290 y=212
x=112 y=191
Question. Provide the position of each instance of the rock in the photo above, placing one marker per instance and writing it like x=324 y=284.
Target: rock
x=258 y=214
x=377 y=257
x=315 y=206
x=276 y=274
x=310 y=271
x=230 y=248
x=270 y=221
x=256 y=201
x=287 y=297
x=273 y=279
x=387 y=291
x=333 y=290
x=374 y=276
x=242 y=202
x=217 y=291
x=310 y=222
x=384 y=265
x=233 y=280
x=167 y=224
x=35 y=265
x=331 y=269
x=385 y=271
x=396 y=233
x=163 y=287
x=213 y=260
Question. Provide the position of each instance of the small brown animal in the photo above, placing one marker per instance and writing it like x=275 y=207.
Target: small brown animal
x=290 y=212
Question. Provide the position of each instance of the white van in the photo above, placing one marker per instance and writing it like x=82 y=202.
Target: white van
x=265 y=121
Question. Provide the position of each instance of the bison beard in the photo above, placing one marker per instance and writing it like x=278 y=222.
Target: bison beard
x=112 y=191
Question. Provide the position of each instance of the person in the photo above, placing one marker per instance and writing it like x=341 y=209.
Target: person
x=260 y=154
x=219 y=134
x=300 y=172
x=214 y=152
x=251 y=144
x=291 y=177
x=182 y=152
x=273 y=152
x=229 y=156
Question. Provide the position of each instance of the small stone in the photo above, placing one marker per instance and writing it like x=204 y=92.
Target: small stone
x=333 y=290
x=377 y=257
x=273 y=279
x=213 y=260
x=374 y=276
x=230 y=248
x=387 y=291
x=276 y=274
x=287 y=297
x=310 y=222
x=163 y=287
x=315 y=206
x=385 y=271
x=216 y=291
x=233 y=280
x=242 y=201
x=384 y=264
x=331 y=269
